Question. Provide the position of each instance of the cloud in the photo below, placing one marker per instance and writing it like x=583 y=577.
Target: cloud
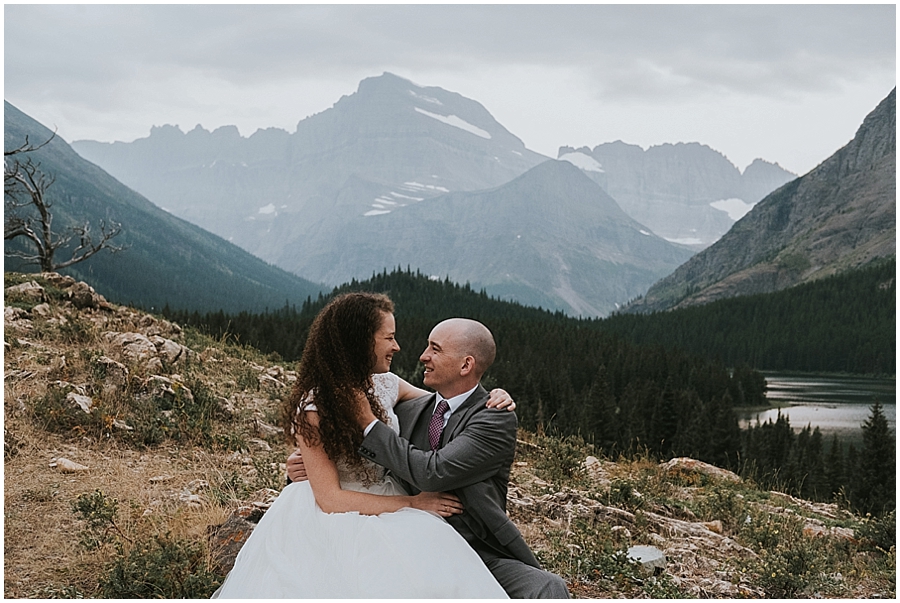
x=111 y=71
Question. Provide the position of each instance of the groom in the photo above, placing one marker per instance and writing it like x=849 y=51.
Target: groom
x=451 y=442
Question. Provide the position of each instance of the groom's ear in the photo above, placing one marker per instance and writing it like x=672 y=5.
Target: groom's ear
x=467 y=367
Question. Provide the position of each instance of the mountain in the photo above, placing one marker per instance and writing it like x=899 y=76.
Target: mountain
x=390 y=144
x=168 y=260
x=368 y=184
x=839 y=216
x=550 y=237
x=686 y=193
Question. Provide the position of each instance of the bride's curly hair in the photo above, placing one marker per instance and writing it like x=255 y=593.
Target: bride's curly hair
x=336 y=367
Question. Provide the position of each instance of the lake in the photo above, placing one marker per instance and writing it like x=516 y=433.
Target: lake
x=834 y=404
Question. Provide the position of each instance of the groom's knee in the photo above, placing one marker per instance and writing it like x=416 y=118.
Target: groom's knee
x=522 y=581
x=553 y=588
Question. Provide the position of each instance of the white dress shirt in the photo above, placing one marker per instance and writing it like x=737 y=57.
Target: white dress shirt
x=454 y=403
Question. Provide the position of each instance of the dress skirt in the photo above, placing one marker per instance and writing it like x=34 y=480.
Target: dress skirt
x=298 y=551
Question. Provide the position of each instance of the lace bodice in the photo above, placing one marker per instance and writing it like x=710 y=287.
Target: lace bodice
x=387 y=387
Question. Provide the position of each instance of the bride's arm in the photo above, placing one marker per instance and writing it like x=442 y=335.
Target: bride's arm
x=499 y=398
x=331 y=498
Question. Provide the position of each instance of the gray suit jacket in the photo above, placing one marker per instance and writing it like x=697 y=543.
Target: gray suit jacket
x=473 y=462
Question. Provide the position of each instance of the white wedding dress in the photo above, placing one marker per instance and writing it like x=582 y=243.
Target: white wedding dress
x=297 y=551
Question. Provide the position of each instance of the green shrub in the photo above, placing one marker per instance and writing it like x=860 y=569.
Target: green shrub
x=622 y=494
x=562 y=458
x=99 y=514
x=880 y=532
x=160 y=568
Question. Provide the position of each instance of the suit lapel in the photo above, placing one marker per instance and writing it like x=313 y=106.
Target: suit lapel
x=457 y=418
x=409 y=421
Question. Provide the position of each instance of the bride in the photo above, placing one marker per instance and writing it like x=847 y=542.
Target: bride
x=351 y=531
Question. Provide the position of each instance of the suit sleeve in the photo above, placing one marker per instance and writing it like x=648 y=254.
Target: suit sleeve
x=481 y=450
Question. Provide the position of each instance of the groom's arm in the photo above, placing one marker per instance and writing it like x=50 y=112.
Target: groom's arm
x=484 y=447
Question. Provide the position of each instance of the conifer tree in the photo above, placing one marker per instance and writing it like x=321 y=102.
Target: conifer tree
x=873 y=490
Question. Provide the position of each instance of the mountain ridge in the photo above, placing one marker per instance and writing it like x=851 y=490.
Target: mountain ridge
x=840 y=215
x=180 y=264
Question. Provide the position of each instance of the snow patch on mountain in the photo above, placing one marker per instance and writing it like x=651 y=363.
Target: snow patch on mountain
x=427 y=99
x=456 y=122
x=580 y=160
x=421 y=187
x=399 y=196
x=735 y=208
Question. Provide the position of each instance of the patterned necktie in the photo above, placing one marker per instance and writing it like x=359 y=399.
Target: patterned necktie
x=436 y=425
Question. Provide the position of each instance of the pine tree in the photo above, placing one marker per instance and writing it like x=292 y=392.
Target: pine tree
x=873 y=490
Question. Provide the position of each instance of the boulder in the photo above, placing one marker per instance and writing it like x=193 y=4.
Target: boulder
x=85 y=403
x=83 y=295
x=115 y=373
x=134 y=346
x=226 y=540
x=651 y=559
x=67 y=466
x=29 y=291
x=171 y=351
x=42 y=310
x=689 y=465
x=11 y=314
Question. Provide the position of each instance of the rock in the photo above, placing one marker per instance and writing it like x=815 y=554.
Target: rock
x=261 y=444
x=11 y=314
x=226 y=540
x=115 y=374
x=171 y=351
x=226 y=407
x=689 y=465
x=67 y=466
x=84 y=402
x=83 y=295
x=29 y=291
x=133 y=346
x=656 y=539
x=42 y=310
x=652 y=559
x=122 y=425
x=58 y=280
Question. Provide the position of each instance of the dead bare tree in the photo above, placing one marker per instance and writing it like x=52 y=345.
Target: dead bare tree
x=27 y=213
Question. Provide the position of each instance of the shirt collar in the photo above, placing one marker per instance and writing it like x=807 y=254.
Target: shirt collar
x=456 y=401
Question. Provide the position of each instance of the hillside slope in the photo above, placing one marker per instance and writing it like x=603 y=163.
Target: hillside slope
x=840 y=215
x=167 y=261
x=138 y=455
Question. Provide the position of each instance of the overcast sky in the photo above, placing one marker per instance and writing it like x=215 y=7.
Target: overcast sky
x=790 y=84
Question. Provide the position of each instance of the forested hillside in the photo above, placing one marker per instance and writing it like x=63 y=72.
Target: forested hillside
x=843 y=323
x=662 y=399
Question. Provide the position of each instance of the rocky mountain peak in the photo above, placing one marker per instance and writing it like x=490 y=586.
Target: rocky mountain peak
x=839 y=216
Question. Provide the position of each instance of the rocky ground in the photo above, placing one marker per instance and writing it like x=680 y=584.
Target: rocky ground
x=122 y=429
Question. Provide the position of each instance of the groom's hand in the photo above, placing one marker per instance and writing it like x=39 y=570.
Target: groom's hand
x=296 y=470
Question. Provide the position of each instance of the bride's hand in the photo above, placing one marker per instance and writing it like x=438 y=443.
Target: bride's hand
x=296 y=470
x=500 y=398
x=442 y=503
